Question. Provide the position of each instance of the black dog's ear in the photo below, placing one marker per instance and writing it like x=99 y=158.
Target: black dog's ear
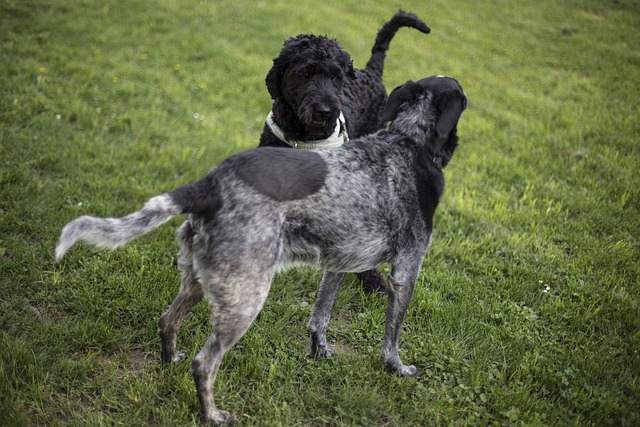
x=347 y=65
x=451 y=105
x=275 y=75
x=397 y=97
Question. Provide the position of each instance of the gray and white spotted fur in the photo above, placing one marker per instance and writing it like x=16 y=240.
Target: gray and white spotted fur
x=350 y=209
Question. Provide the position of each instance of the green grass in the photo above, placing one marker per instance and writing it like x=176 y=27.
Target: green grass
x=526 y=312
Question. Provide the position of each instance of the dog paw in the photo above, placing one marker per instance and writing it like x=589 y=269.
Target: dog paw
x=176 y=357
x=408 y=371
x=394 y=364
x=322 y=352
x=328 y=352
x=219 y=418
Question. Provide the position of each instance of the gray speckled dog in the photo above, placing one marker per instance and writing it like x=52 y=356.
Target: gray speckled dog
x=262 y=211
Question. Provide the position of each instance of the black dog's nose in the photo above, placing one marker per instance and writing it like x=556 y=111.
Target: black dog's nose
x=322 y=113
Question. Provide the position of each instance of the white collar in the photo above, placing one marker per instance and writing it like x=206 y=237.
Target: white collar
x=336 y=139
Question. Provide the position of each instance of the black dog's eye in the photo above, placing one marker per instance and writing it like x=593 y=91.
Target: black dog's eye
x=307 y=75
x=333 y=77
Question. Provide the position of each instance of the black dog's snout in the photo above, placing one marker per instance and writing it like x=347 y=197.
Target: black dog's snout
x=323 y=112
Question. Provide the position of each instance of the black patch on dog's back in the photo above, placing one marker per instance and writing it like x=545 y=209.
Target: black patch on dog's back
x=282 y=174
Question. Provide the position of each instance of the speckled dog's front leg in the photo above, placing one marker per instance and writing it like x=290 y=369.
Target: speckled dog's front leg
x=400 y=291
x=321 y=314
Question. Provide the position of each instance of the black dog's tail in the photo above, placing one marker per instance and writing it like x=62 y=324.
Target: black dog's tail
x=111 y=233
x=386 y=33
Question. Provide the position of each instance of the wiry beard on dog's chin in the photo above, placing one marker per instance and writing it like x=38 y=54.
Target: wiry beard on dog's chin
x=297 y=123
x=317 y=129
x=320 y=133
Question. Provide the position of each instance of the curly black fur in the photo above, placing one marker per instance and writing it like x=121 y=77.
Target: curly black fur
x=312 y=81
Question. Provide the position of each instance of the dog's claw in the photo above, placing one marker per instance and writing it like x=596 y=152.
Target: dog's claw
x=408 y=371
x=404 y=370
x=394 y=364
x=322 y=352
x=328 y=352
x=177 y=357
x=219 y=418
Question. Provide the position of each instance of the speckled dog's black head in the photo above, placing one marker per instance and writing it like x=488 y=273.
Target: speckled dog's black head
x=435 y=126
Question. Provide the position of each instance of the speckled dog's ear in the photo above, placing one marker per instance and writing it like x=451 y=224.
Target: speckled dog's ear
x=399 y=97
x=451 y=105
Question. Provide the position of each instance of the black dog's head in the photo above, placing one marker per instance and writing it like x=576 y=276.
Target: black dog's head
x=308 y=75
x=428 y=111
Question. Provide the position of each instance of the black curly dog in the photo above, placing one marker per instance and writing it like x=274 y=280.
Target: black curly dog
x=319 y=98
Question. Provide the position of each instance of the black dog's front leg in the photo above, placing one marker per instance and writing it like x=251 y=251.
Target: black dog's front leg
x=372 y=282
x=321 y=314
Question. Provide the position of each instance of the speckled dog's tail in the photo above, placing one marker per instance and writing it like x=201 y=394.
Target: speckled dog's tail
x=386 y=33
x=110 y=233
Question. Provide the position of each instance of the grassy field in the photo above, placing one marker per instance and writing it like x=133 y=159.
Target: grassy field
x=527 y=311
